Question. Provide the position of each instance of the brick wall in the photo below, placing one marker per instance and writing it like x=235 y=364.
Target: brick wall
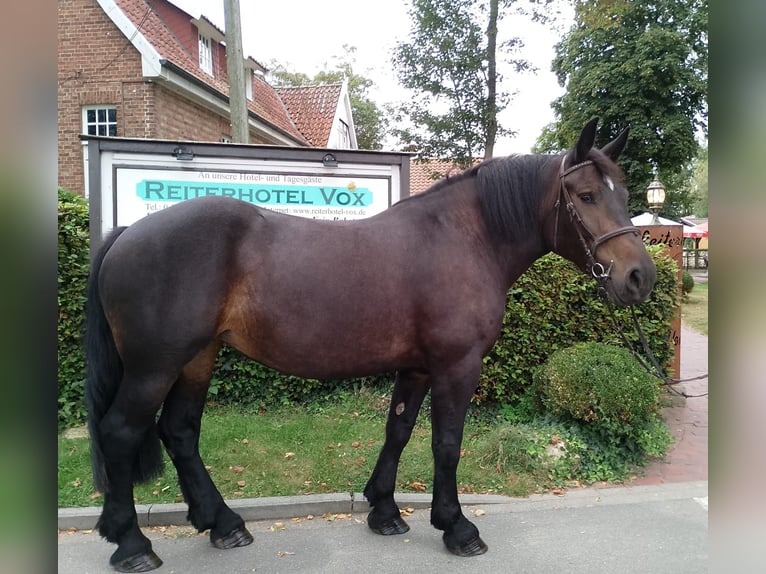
x=93 y=68
x=180 y=119
x=98 y=66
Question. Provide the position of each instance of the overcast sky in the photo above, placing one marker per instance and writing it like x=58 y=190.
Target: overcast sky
x=304 y=35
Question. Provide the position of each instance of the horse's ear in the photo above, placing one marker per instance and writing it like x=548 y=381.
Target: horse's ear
x=614 y=148
x=585 y=143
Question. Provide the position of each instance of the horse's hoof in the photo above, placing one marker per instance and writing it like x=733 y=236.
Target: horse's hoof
x=473 y=547
x=138 y=563
x=234 y=539
x=396 y=525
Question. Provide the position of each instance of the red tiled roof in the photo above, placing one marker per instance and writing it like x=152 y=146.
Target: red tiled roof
x=312 y=108
x=425 y=173
x=165 y=41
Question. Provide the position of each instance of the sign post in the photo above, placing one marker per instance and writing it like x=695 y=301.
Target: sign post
x=672 y=237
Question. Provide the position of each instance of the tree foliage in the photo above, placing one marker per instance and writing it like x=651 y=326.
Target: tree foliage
x=643 y=64
x=699 y=184
x=449 y=63
x=369 y=120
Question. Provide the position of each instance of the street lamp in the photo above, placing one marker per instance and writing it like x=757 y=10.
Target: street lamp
x=655 y=195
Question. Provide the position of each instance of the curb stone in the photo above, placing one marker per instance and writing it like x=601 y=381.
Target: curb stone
x=266 y=508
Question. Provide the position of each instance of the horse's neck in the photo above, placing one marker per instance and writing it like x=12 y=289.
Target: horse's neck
x=457 y=208
x=515 y=259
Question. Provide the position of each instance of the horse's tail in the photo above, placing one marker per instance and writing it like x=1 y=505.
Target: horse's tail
x=103 y=375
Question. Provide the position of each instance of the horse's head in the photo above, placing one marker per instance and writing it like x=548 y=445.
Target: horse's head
x=589 y=221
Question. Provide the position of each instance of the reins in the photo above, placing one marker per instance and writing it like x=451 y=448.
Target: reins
x=602 y=276
x=654 y=369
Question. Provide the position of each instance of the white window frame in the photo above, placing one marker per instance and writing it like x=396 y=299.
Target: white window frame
x=205 y=53
x=249 y=84
x=344 y=132
x=103 y=122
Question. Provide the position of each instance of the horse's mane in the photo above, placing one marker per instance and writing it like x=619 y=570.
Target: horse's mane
x=511 y=189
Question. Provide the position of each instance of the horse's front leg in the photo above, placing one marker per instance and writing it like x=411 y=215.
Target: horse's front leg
x=409 y=391
x=450 y=396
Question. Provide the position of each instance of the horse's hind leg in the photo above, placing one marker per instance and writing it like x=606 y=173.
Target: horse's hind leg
x=179 y=427
x=129 y=441
x=409 y=391
x=450 y=397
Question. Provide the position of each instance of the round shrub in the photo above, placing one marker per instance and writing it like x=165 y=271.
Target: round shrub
x=687 y=283
x=597 y=383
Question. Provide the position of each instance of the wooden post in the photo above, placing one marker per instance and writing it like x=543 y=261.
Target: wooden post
x=235 y=67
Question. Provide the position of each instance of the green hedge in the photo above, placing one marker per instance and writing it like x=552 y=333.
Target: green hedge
x=552 y=306
x=73 y=264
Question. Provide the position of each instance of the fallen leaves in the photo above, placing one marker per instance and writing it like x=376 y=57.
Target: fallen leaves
x=419 y=486
x=331 y=517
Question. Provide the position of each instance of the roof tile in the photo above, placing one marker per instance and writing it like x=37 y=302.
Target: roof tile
x=313 y=109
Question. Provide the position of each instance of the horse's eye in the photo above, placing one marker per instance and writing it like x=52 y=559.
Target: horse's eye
x=586 y=198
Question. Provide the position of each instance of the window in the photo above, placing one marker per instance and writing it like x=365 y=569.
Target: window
x=344 y=135
x=205 y=55
x=99 y=121
x=249 y=84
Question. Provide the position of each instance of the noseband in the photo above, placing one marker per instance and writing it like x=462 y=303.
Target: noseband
x=597 y=269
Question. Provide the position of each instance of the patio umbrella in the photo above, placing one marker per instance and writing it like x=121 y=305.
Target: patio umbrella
x=647 y=218
x=696 y=231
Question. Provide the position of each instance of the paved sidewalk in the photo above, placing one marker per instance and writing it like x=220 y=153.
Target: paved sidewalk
x=687 y=419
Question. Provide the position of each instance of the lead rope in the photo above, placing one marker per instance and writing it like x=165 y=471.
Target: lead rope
x=655 y=369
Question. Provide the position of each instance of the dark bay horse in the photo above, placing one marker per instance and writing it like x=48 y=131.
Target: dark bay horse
x=419 y=289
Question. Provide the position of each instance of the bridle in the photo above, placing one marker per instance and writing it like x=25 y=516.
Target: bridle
x=602 y=276
x=597 y=269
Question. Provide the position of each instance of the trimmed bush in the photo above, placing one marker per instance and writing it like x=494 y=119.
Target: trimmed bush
x=597 y=383
x=611 y=404
x=73 y=265
x=687 y=283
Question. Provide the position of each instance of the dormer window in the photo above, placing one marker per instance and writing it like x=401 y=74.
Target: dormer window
x=205 y=55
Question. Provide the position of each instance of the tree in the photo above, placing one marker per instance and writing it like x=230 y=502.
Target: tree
x=641 y=63
x=369 y=120
x=450 y=64
x=699 y=184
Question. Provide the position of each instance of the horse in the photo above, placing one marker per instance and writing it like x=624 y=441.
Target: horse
x=419 y=289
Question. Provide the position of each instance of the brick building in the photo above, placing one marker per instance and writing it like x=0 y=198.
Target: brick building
x=147 y=69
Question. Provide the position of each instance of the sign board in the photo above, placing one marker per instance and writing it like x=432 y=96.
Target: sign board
x=672 y=237
x=129 y=179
